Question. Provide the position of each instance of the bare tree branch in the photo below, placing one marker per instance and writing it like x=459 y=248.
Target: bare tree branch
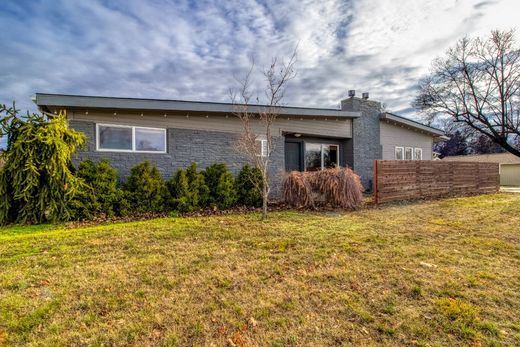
x=477 y=83
x=256 y=142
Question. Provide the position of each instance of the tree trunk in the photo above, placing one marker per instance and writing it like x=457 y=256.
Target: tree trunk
x=264 y=202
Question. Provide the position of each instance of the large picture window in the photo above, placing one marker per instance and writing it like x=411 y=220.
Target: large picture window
x=114 y=138
x=123 y=138
x=320 y=156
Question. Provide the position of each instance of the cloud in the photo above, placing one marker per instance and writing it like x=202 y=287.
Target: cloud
x=193 y=49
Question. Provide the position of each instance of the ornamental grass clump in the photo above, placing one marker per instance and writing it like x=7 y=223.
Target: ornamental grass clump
x=336 y=187
x=339 y=187
x=297 y=190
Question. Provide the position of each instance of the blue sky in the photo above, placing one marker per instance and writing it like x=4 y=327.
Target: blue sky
x=193 y=49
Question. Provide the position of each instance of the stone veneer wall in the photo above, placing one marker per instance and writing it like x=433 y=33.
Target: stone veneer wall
x=366 y=140
x=183 y=147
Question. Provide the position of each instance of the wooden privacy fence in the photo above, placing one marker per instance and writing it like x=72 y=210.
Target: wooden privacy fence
x=422 y=179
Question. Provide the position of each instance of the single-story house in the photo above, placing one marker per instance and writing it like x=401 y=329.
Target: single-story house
x=173 y=133
x=509 y=165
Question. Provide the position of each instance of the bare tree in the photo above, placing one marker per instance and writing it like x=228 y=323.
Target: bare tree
x=477 y=83
x=256 y=141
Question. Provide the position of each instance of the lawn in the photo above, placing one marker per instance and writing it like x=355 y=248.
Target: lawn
x=427 y=274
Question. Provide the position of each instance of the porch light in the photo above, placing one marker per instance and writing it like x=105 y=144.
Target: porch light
x=297 y=135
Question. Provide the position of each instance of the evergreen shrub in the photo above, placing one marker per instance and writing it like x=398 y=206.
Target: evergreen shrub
x=249 y=186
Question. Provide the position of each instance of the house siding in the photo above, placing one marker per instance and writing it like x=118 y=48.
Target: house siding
x=208 y=138
x=322 y=126
x=396 y=136
x=183 y=147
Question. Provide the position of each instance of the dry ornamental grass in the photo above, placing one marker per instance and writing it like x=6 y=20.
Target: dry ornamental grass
x=336 y=187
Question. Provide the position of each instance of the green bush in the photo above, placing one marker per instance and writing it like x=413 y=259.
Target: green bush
x=188 y=190
x=226 y=196
x=212 y=176
x=180 y=196
x=198 y=186
x=248 y=186
x=146 y=189
x=101 y=196
x=36 y=179
x=221 y=184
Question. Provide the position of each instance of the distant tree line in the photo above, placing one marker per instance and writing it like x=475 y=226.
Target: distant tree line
x=464 y=141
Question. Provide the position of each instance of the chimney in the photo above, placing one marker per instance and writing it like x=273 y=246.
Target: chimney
x=356 y=104
x=365 y=145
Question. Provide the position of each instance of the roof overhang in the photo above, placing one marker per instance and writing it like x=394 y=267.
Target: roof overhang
x=47 y=101
x=392 y=118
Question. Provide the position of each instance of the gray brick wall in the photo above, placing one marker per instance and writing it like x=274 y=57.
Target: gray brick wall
x=366 y=140
x=183 y=147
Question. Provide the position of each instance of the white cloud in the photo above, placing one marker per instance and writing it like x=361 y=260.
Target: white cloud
x=191 y=50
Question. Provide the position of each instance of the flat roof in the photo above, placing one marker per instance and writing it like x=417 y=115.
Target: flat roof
x=83 y=101
x=412 y=124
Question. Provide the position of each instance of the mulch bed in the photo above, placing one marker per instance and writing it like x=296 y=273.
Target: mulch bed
x=275 y=207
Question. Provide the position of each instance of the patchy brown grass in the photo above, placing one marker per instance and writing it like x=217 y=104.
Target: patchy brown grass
x=424 y=274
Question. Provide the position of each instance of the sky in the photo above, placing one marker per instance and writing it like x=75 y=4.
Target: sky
x=195 y=50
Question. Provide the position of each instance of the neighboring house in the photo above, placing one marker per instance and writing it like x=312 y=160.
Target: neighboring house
x=509 y=165
x=171 y=134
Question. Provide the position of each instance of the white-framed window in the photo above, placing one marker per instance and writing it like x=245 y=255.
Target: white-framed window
x=408 y=153
x=321 y=156
x=417 y=153
x=126 y=138
x=262 y=147
x=399 y=153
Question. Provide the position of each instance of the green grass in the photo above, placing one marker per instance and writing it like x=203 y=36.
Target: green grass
x=423 y=274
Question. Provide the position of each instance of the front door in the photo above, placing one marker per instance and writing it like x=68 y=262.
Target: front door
x=293 y=156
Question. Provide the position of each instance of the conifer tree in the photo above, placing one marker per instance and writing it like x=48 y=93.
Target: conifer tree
x=36 y=179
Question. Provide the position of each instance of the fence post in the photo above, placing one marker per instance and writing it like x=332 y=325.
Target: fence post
x=477 y=177
x=376 y=200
